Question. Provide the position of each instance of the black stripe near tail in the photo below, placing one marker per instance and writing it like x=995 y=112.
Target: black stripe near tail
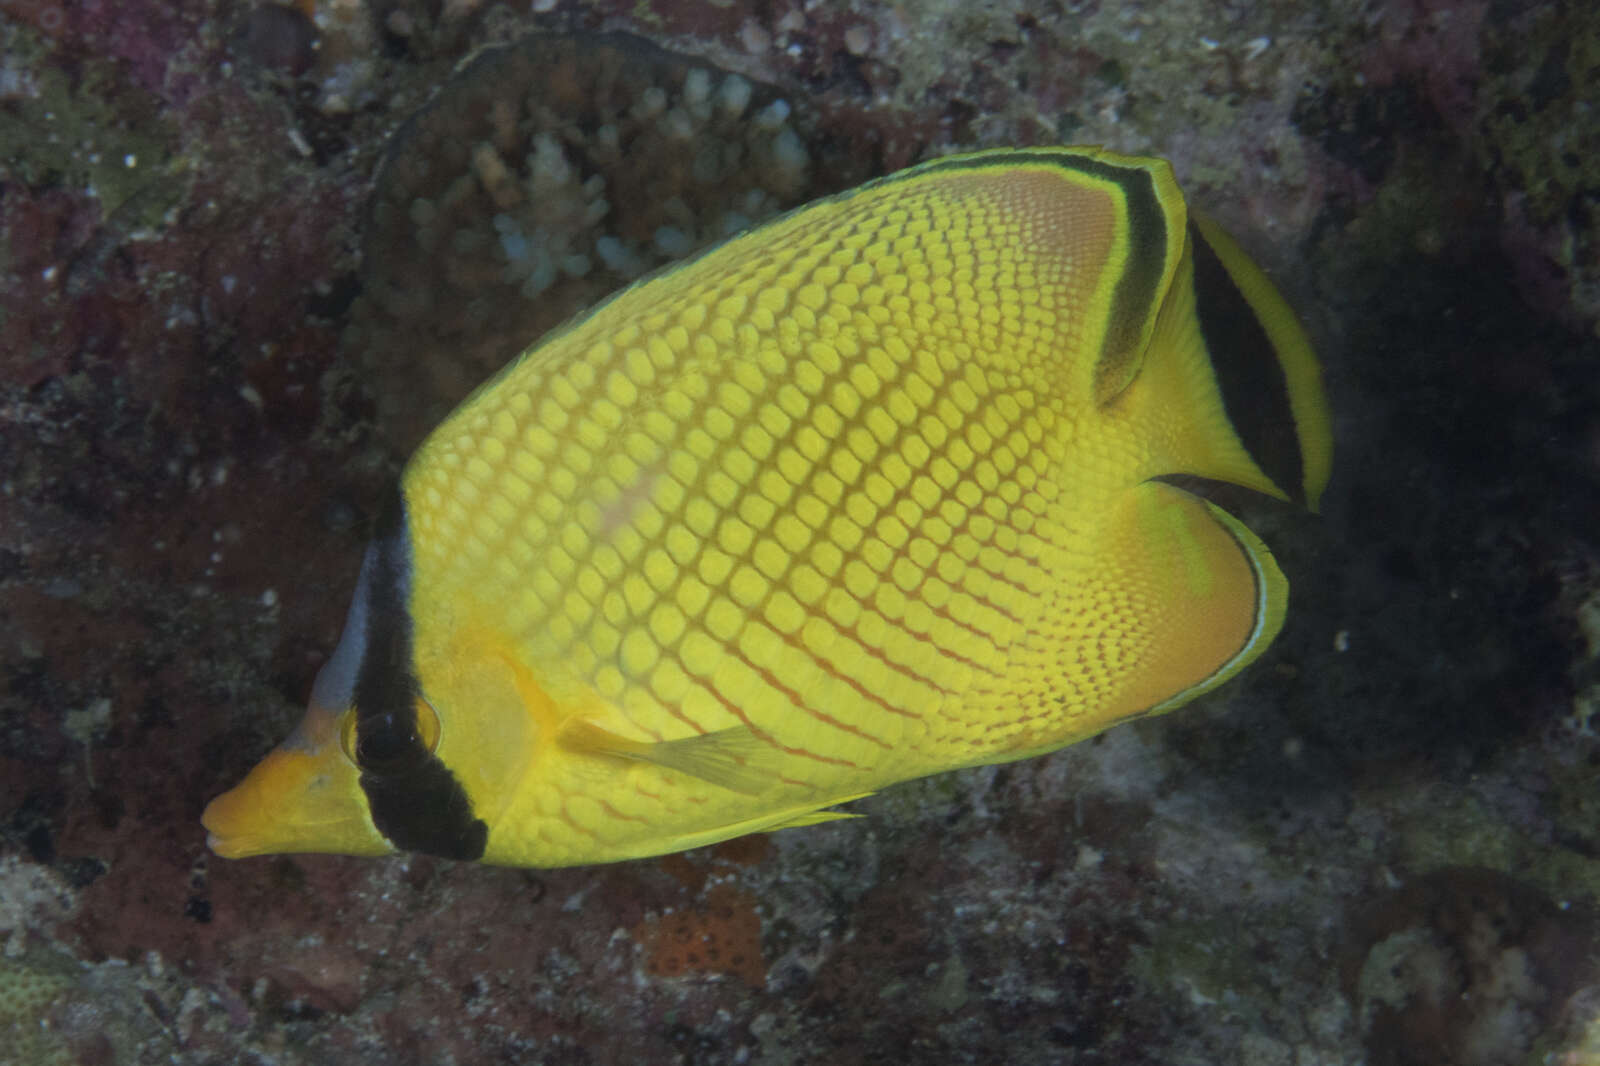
x=1250 y=376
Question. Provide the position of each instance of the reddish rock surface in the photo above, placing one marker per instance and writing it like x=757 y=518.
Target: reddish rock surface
x=1378 y=844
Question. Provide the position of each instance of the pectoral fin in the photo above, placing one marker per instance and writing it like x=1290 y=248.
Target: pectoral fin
x=735 y=759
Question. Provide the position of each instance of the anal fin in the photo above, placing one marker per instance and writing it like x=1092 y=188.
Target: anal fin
x=1208 y=597
x=1227 y=607
x=1175 y=597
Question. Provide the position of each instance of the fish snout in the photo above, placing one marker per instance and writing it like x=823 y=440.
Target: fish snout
x=304 y=796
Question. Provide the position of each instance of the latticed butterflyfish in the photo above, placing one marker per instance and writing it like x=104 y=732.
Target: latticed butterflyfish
x=873 y=491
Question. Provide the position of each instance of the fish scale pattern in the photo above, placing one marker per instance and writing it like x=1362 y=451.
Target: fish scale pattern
x=810 y=484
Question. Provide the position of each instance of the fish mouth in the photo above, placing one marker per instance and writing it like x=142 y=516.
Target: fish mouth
x=304 y=796
x=234 y=821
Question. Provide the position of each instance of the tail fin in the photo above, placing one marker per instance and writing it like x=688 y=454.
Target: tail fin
x=1230 y=378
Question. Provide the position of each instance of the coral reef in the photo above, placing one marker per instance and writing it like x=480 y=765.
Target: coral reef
x=1463 y=965
x=1535 y=119
x=231 y=294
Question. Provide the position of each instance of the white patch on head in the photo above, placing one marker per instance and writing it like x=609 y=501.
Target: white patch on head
x=335 y=687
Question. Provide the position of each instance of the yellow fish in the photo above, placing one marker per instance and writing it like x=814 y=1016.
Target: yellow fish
x=867 y=493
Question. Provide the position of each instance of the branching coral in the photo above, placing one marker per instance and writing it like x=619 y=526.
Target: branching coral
x=542 y=177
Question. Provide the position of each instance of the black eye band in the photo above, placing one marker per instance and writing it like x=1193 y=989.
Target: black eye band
x=416 y=802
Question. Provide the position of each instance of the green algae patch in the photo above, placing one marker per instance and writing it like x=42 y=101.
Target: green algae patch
x=1458 y=829
x=1204 y=961
x=88 y=131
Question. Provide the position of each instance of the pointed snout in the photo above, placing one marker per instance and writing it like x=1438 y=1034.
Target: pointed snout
x=304 y=796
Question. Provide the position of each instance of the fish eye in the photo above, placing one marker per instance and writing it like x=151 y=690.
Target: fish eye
x=385 y=744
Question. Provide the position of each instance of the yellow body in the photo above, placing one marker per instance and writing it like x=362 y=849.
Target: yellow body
x=862 y=495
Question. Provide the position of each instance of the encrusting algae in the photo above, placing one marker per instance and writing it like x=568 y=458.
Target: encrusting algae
x=722 y=936
x=26 y=994
x=873 y=491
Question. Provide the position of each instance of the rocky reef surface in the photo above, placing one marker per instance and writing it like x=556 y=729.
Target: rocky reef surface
x=249 y=251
